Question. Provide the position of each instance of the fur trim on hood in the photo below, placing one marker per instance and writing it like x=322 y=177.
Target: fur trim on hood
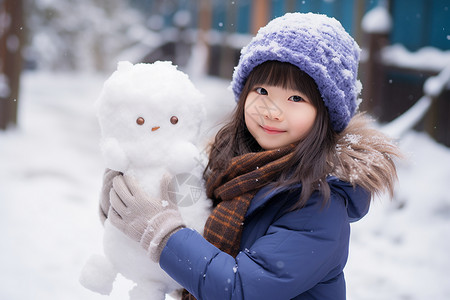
x=366 y=157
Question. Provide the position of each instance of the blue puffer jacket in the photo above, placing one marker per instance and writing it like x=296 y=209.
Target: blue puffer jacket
x=284 y=254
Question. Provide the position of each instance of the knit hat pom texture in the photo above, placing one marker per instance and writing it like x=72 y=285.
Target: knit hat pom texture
x=320 y=47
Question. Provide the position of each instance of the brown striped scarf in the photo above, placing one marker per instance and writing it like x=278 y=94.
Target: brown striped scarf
x=234 y=188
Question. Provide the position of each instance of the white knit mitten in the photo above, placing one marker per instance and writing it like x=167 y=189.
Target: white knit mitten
x=149 y=221
x=104 y=204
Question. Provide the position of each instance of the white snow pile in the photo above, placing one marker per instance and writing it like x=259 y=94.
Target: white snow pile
x=51 y=177
x=377 y=20
x=426 y=58
x=150 y=117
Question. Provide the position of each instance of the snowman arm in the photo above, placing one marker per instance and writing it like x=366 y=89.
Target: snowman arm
x=113 y=154
x=184 y=158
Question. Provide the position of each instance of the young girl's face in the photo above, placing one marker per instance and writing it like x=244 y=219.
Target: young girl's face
x=277 y=117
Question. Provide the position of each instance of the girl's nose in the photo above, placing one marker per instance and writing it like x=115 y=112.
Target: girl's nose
x=272 y=112
x=271 y=116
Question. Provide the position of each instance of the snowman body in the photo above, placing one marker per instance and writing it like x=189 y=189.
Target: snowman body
x=150 y=117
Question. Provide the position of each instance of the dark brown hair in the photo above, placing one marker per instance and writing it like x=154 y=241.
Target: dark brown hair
x=309 y=162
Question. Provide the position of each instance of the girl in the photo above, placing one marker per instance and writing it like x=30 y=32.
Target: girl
x=287 y=174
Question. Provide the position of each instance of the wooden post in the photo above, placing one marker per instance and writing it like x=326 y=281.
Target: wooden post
x=436 y=121
x=11 y=40
x=373 y=74
x=204 y=17
x=260 y=14
x=358 y=14
x=204 y=24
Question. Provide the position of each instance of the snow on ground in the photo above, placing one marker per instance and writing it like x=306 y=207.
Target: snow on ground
x=51 y=175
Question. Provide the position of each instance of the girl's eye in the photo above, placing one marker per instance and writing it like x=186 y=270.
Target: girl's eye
x=140 y=121
x=296 y=99
x=262 y=91
x=174 y=120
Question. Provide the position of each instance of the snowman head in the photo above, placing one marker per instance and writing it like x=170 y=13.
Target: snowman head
x=149 y=109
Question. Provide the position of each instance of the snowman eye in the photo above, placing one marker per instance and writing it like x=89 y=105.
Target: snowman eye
x=140 y=121
x=174 y=120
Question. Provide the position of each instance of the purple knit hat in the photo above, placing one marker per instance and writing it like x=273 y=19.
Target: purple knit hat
x=319 y=46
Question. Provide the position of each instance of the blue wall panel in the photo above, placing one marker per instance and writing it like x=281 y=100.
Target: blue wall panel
x=416 y=23
x=440 y=24
x=419 y=23
x=409 y=23
x=342 y=10
x=219 y=15
x=278 y=8
x=243 y=15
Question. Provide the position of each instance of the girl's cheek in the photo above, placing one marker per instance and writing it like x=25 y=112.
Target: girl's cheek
x=247 y=106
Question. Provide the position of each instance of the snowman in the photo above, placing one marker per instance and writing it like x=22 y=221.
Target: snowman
x=150 y=117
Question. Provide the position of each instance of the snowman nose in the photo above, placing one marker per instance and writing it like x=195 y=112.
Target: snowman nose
x=155 y=128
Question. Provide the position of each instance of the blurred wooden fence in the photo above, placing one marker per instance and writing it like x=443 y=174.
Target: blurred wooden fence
x=11 y=41
x=391 y=90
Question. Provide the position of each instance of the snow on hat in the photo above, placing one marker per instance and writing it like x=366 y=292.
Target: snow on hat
x=320 y=47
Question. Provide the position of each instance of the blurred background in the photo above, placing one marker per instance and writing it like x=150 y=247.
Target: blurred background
x=56 y=54
x=404 y=42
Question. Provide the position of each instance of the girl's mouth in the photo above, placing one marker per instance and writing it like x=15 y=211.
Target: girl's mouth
x=272 y=130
